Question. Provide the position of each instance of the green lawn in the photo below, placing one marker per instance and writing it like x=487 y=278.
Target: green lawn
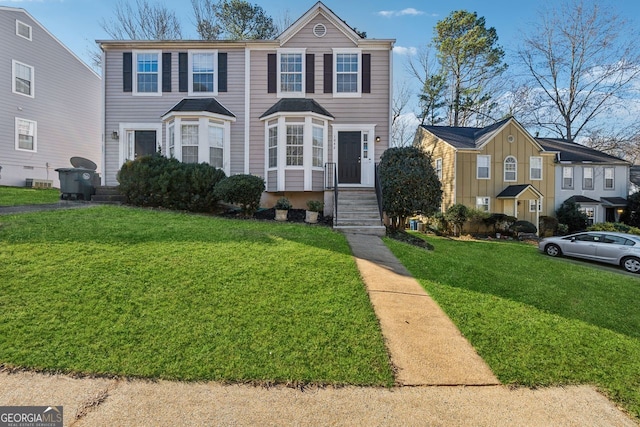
x=537 y=321
x=13 y=196
x=142 y=293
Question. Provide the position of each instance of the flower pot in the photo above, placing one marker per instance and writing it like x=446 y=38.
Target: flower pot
x=281 y=214
x=311 y=217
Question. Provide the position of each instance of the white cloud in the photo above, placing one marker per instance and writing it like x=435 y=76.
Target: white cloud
x=408 y=51
x=410 y=11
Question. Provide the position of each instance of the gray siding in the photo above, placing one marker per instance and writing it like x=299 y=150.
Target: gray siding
x=272 y=181
x=294 y=180
x=66 y=105
x=318 y=180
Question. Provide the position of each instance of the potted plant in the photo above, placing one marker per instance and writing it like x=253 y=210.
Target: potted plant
x=282 y=207
x=313 y=208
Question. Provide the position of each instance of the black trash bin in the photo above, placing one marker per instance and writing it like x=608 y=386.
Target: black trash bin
x=78 y=182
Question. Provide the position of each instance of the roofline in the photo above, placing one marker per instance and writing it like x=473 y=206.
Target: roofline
x=306 y=17
x=535 y=190
x=209 y=114
x=295 y=114
x=456 y=149
x=20 y=9
x=522 y=129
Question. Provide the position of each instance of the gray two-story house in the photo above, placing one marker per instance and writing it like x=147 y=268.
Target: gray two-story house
x=49 y=103
x=294 y=110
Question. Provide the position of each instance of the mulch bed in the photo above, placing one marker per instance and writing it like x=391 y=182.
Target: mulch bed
x=294 y=215
x=403 y=236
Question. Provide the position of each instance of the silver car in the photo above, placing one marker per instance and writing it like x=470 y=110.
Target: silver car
x=603 y=246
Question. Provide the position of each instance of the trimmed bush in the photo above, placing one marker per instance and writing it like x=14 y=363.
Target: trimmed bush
x=614 y=226
x=156 y=181
x=522 y=227
x=568 y=213
x=548 y=225
x=242 y=190
x=500 y=222
x=457 y=215
x=477 y=218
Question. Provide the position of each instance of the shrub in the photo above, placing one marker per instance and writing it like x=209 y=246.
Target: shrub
x=457 y=215
x=157 y=181
x=568 y=213
x=500 y=222
x=547 y=225
x=243 y=190
x=631 y=214
x=437 y=223
x=476 y=218
x=522 y=227
x=563 y=229
x=315 y=205
x=614 y=226
x=283 y=204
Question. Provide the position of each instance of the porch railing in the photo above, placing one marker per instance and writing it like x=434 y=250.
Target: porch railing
x=331 y=183
x=378 y=191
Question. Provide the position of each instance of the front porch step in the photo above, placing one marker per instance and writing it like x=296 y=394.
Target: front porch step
x=358 y=212
x=378 y=230
x=108 y=195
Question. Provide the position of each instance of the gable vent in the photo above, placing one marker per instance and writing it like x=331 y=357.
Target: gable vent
x=319 y=30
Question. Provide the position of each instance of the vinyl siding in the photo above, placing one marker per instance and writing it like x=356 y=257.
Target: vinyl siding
x=66 y=105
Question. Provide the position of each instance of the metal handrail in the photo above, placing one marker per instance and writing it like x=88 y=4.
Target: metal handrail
x=378 y=191
x=331 y=183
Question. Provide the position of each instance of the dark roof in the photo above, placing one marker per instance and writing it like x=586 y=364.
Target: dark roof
x=574 y=152
x=614 y=201
x=514 y=190
x=297 y=105
x=210 y=105
x=581 y=199
x=464 y=137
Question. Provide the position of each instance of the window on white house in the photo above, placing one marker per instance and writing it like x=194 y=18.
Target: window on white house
x=295 y=145
x=23 y=30
x=510 y=169
x=26 y=131
x=202 y=67
x=171 y=130
x=439 y=168
x=189 y=142
x=535 y=171
x=609 y=180
x=291 y=72
x=273 y=145
x=483 y=203
x=347 y=72
x=587 y=178
x=567 y=177
x=590 y=213
x=23 y=79
x=318 y=146
x=483 y=168
x=147 y=69
x=216 y=145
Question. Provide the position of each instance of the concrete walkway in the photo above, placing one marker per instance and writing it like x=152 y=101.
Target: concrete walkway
x=450 y=384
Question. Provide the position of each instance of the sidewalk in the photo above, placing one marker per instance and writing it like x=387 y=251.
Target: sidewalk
x=442 y=381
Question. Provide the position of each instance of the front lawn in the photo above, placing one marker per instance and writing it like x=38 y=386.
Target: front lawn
x=133 y=292
x=14 y=196
x=537 y=321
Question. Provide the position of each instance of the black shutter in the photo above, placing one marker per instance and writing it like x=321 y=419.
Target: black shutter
x=310 y=79
x=328 y=73
x=183 y=72
x=222 y=72
x=366 y=73
x=166 y=72
x=272 y=73
x=127 y=72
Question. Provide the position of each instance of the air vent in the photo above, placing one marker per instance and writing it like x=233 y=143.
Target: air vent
x=511 y=138
x=319 y=30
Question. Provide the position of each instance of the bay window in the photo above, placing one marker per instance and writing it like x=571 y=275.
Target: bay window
x=189 y=141
x=295 y=145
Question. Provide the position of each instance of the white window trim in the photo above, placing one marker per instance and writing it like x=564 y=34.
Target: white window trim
x=438 y=168
x=478 y=166
x=531 y=168
x=35 y=135
x=275 y=126
x=515 y=178
x=482 y=204
x=323 y=145
x=285 y=94
x=18 y=23
x=367 y=171
x=533 y=204
x=358 y=93
x=584 y=168
x=215 y=72
x=135 y=72
x=13 y=78
x=127 y=153
x=613 y=178
x=562 y=186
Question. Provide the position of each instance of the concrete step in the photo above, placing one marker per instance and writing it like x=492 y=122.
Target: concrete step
x=108 y=195
x=358 y=222
x=370 y=230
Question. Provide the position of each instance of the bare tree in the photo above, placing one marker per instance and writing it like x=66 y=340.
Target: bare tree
x=623 y=143
x=146 y=22
x=403 y=123
x=427 y=71
x=581 y=59
x=283 y=21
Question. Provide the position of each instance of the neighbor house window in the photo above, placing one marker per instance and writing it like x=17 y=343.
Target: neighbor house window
x=318 y=146
x=189 y=142
x=273 y=145
x=567 y=177
x=347 y=72
x=23 y=30
x=535 y=171
x=26 y=132
x=482 y=203
x=295 y=145
x=147 y=69
x=483 y=168
x=202 y=67
x=587 y=178
x=439 y=168
x=535 y=204
x=590 y=213
x=608 y=178
x=510 y=169
x=291 y=71
x=216 y=145
x=23 y=76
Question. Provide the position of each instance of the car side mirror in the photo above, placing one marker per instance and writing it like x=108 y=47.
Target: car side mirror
x=573 y=239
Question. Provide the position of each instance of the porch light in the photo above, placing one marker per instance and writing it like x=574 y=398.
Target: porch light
x=377 y=139
x=114 y=135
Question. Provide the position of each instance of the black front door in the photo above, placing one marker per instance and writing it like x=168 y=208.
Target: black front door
x=145 y=143
x=349 y=149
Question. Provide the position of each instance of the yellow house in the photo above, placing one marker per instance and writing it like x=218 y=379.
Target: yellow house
x=499 y=168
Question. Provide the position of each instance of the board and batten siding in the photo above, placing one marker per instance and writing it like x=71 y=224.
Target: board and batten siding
x=124 y=107
x=66 y=105
x=441 y=150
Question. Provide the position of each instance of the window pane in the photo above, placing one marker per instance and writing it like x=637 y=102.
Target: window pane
x=216 y=146
x=202 y=72
x=510 y=172
x=23 y=79
x=318 y=145
x=536 y=168
x=483 y=166
x=190 y=143
x=295 y=143
x=347 y=72
x=190 y=154
x=291 y=72
x=273 y=147
x=147 y=72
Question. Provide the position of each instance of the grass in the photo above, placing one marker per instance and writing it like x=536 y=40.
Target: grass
x=141 y=293
x=14 y=196
x=537 y=321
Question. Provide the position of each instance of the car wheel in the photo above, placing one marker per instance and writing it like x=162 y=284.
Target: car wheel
x=553 y=250
x=631 y=264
